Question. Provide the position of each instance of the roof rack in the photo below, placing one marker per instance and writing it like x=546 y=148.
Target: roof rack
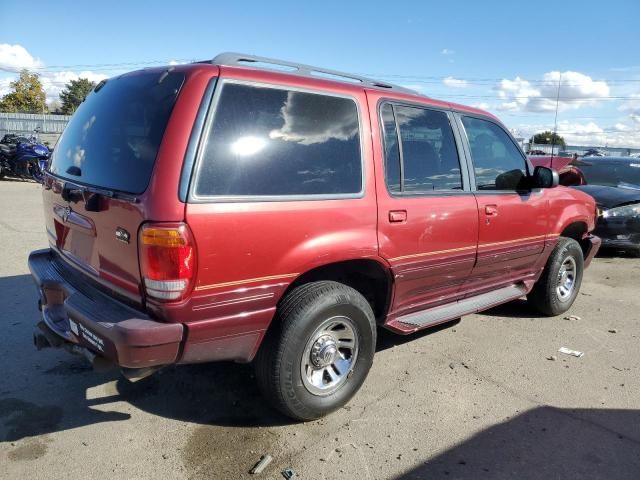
x=241 y=59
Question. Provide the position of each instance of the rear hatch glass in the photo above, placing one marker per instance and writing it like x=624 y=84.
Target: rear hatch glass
x=109 y=147
x=113 y=138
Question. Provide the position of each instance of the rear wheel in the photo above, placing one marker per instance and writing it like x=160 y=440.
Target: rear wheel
x=558 y=286
x=320 y=352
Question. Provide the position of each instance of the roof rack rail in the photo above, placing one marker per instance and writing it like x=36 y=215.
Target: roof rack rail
x=241 y=59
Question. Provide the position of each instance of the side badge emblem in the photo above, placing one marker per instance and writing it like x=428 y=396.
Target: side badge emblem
x=122 y=235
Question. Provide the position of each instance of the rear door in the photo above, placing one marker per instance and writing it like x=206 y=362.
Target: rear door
x=94 y=199
x=427 y=216
x=512 y=217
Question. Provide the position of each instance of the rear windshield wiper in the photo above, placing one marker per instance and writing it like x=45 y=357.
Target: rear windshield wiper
x=92 y=195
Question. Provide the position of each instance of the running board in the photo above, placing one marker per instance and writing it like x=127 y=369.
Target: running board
x=466 y=306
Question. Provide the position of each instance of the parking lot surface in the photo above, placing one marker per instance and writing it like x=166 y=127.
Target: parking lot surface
x=487 y=397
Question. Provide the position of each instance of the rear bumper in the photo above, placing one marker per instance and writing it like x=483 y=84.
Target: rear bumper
x=82 y=316
x=592 y=248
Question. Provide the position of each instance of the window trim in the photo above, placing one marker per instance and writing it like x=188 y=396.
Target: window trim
x=462 y=160
x=467 y=146
x=196 y=138
x=202 y=144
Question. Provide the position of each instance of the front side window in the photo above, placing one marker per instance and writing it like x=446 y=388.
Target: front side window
x=271 y=142
x=423 y=158
x=497 y=162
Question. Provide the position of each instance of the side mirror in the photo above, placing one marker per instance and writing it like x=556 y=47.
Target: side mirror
x=544 y=177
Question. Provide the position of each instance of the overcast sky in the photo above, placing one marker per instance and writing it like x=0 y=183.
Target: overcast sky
x=504 y=56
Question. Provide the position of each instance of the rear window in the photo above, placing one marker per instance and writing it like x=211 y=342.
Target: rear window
x=274 y=142
x=113 y=138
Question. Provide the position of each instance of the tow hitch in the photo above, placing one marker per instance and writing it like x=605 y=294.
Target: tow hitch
x=44 y=337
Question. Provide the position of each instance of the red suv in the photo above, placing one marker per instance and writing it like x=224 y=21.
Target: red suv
x=230 y=210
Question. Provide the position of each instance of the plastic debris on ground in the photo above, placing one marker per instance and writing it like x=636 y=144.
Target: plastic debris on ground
x=288 y=473
x=261 y=465
x=568 y=351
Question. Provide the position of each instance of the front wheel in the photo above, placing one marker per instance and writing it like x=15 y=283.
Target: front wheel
x=557 y=288
x=320 y=351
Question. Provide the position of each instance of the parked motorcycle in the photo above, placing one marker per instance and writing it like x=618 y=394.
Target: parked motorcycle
x=23 y=157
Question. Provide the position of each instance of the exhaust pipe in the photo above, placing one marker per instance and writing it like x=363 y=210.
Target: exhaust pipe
x=40 y=341
x=43 y=337
x=99 y=364
x=136 y=374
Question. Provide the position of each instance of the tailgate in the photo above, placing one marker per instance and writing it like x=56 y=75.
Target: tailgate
x=101 y=243
x=96 y=196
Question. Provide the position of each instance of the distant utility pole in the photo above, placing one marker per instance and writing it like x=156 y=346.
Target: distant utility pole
x=555 y=122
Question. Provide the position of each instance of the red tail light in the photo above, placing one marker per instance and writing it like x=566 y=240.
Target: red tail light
x=167 y=260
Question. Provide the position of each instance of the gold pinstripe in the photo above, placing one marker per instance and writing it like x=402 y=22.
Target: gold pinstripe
x=426 y=254
x=403 y=257
x=451 y=250
x=248 y=280
x=506 y=242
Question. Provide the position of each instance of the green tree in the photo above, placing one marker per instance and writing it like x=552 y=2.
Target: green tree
x=74 y=93
x=27 y=96
x=548 y=138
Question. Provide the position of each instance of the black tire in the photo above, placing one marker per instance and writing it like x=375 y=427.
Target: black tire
x=278 y=364
x=545 y=296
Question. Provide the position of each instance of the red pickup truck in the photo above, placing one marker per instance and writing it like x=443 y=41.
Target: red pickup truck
x=227 y=210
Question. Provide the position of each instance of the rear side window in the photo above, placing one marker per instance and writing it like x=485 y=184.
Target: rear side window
x=423 y=158
x=391 y=149
x=113 y=138
x=497 y=162
x=273 y=142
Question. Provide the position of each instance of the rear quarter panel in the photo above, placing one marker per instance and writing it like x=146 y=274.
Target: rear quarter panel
x=249 y=252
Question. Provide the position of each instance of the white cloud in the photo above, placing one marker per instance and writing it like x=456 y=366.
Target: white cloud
x=621 y=127
x=298 y=127
x=5 y=85
x=13 y=58
x=632 y=107
x=455 y=82
x=572 y=130
x=482 y=106
x=448 y=51
x=54 y=82
x=576 y=90
x=590 y=133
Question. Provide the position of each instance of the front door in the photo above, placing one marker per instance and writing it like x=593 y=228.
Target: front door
x=512 y=217
x=427 y=215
